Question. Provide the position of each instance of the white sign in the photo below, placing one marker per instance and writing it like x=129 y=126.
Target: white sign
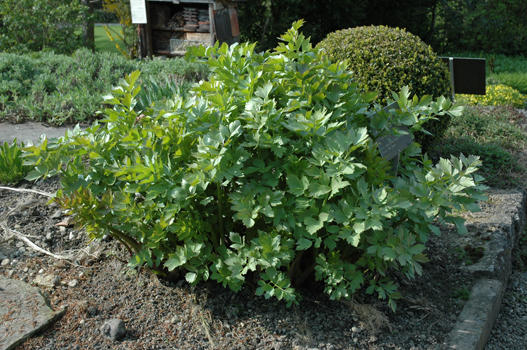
x=138 y=9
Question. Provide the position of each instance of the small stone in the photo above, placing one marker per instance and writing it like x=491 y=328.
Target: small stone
x=355 y=329
x=71 y=236
x=73 y=283
x=10 y=273
x=113 y=329
x=57 y=214
x=49 y=236
x=19 y=244
x=26 y=269
x=40 y=271
x=81 y=322
x=62 y=229
x=17 y=226
x=21 y=250
x=5 y=262
x=48 y=281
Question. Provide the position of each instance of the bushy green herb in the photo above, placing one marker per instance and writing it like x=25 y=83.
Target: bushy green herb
x=269 y=170
x=12 y=169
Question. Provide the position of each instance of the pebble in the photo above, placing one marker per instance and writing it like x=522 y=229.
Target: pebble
x=57 y=214
x=48 y=281
x=40 y=271
x=73 y=283
x=26 y=269
x=49 y=236
x=5 y=262
x=10 y=273
x=355 y=329
x=71 y=236
x=113 y=329
x=62 y=229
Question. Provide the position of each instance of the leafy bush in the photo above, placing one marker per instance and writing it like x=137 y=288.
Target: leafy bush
x=34 y=25
x=12 y=169
x=496 y=95
x=61 y=89
x=268 y=170
x=385 y=59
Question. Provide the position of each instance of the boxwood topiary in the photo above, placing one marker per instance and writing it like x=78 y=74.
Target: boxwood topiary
x=385 y=59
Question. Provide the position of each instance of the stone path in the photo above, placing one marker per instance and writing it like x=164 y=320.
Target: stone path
x=29 y=131
x=23 y=312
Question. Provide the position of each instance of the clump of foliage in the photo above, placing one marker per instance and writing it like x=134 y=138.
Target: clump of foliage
x=267 y=171
x=34 y=25
x=496 y=95
x=385 y=59
x=67 y=89
x=12 y=168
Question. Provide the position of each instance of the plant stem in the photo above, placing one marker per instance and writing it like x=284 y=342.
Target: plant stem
x=220 y=214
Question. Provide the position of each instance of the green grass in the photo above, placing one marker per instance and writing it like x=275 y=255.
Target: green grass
x=102 y=42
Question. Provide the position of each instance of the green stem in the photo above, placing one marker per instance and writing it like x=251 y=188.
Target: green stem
x=220 y=214
x=131 y=244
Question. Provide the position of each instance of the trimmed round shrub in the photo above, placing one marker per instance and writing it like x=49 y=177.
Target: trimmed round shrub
x=385 y=59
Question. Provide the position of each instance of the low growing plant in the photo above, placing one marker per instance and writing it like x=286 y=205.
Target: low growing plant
x=12 y=169
x=268 y=171
x=497 y=95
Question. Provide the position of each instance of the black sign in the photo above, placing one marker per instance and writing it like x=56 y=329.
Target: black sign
x=467 y=74
x=390 y=146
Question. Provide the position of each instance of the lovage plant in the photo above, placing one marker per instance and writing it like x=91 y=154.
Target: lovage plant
x=269 y=170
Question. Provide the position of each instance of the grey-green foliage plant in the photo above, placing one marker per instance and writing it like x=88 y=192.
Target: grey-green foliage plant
x=269 y=170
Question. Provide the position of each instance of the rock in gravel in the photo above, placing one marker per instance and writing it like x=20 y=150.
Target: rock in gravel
x=73 y=283
x=47 y=281
x=113 y=329
x=5 y=262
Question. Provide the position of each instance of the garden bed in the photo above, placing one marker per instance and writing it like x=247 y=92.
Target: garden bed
x=163 y=315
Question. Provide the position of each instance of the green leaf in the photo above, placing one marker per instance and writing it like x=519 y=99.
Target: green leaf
x=303 y=244
x=191 y=277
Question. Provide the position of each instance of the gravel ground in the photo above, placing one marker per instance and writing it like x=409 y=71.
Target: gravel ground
x=156 y=314
x=510 y=331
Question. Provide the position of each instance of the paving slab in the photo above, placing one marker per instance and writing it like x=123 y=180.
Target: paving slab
x=23 y=312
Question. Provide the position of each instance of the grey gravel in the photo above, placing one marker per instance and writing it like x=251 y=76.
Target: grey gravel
x=510 y=330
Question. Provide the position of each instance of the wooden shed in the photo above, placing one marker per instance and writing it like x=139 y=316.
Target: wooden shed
x=173 y=25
